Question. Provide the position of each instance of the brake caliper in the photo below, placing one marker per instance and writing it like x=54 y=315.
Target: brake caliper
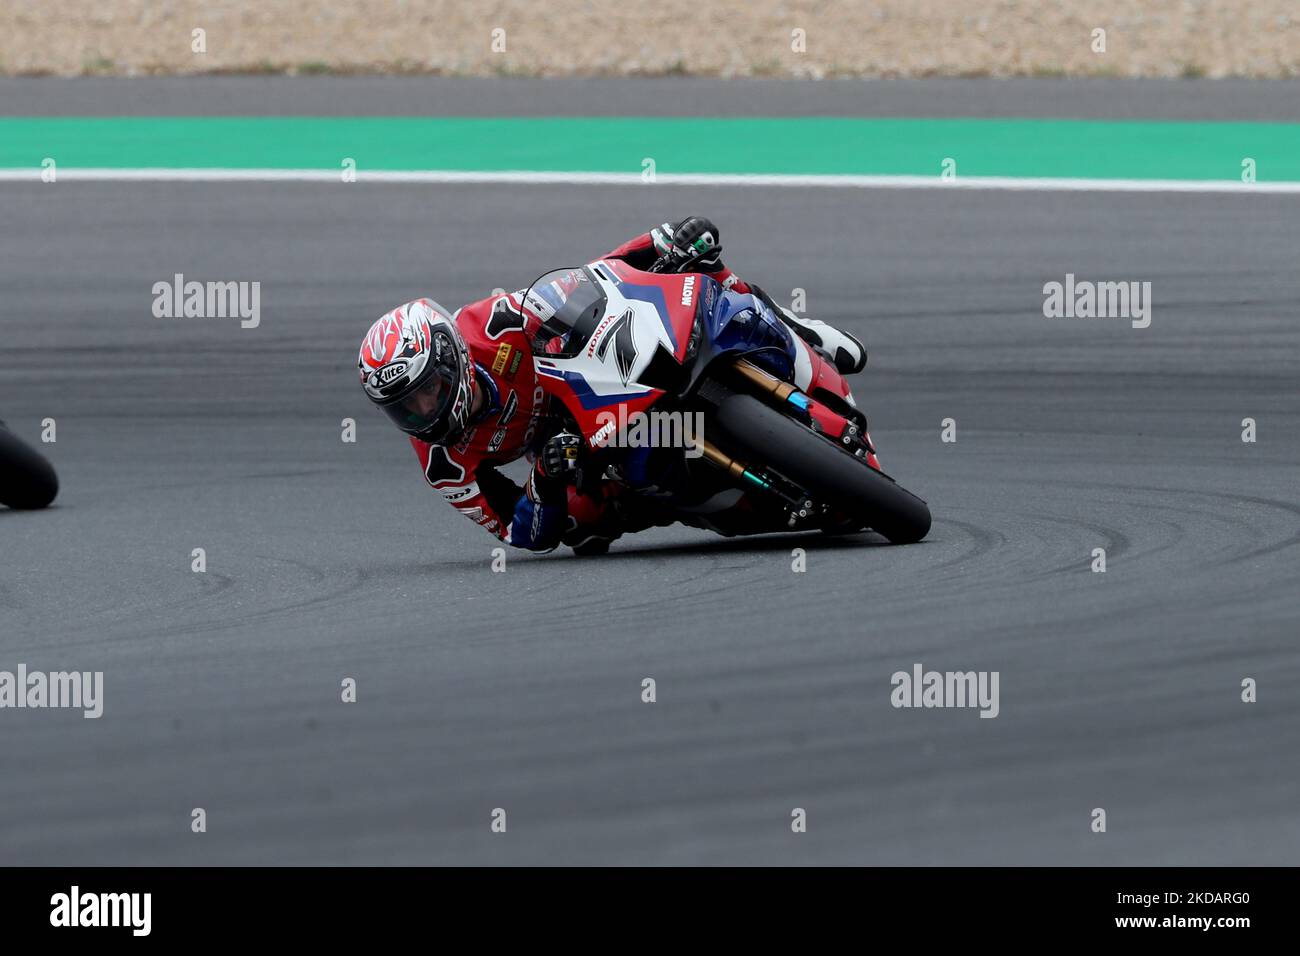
x=854 y=437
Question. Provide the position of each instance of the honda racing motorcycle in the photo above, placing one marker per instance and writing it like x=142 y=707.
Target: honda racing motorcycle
x=780 y=444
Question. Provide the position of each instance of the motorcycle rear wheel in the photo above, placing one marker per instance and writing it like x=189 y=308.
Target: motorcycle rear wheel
x=27 y=480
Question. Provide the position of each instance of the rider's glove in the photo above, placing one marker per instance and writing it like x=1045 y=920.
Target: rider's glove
x=557 y=467
x=695 y=240
x=558 y=458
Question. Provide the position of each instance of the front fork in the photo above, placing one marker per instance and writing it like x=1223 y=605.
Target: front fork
x=811 y=412
x=796 y=504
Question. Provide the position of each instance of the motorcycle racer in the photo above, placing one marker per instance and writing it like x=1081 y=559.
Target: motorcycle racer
x=464 y=389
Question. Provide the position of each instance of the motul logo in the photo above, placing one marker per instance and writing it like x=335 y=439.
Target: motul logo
x=688 y=290
x=602 y=433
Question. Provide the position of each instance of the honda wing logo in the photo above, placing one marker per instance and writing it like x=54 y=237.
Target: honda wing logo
x=620 y=333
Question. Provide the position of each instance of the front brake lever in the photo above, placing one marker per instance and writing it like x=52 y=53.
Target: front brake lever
x=663 y=262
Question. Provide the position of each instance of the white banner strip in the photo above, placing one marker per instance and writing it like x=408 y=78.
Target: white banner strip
x=73 y=174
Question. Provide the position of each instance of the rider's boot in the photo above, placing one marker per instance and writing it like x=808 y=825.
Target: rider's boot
x=845 y=352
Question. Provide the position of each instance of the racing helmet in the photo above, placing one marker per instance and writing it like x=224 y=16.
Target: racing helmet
x=415 y=365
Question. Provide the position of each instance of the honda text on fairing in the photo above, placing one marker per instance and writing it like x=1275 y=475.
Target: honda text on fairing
x=568 y=371
x=27 y=479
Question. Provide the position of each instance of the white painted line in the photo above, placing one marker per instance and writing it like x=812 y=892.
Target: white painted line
x=72 y=174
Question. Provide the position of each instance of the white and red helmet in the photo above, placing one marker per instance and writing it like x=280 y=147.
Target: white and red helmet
x=416 y=367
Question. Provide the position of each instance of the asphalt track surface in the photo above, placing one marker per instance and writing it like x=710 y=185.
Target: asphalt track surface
x=522 y=690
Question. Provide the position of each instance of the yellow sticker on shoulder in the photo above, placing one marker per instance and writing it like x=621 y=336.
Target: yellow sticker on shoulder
x=503 y=356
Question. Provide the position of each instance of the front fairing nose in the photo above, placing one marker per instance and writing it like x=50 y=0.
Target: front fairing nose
x=742 y=324
x=737 y=325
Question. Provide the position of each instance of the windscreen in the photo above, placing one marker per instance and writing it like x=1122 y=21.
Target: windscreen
x=568 y=304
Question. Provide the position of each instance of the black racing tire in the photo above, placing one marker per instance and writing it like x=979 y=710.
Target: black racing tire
x=27 y=480
x=592 y=547
x=762 y=437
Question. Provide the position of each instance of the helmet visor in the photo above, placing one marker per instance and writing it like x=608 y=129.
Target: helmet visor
x=424 y=411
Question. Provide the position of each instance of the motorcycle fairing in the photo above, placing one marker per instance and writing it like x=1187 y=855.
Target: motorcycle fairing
x=690 y=317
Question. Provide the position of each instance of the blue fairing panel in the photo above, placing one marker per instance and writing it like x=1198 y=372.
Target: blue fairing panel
x=741 y=323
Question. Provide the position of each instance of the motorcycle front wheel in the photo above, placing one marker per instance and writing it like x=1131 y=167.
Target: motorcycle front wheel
x=765 y=439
